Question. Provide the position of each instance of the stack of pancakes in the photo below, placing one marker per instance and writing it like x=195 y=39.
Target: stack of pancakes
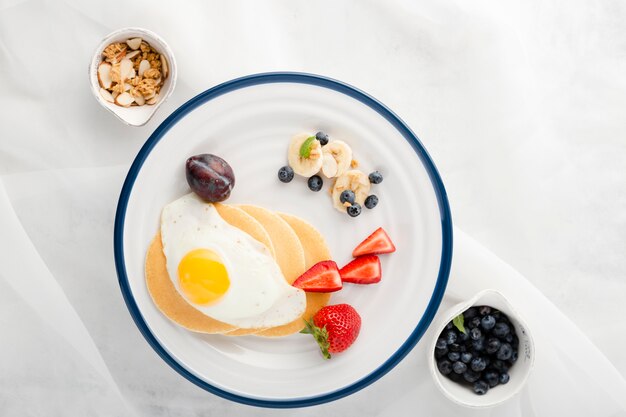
x=295 y=244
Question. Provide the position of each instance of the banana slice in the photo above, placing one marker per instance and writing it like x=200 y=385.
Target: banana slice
x=304 y=166
x=329 y=165
x=354 y=180
x=341 y=153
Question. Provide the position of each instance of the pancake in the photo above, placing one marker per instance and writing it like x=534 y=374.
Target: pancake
x=242 y=220
x=289 y=252
x=313 y=243
x=315 y=250
x=163 y=292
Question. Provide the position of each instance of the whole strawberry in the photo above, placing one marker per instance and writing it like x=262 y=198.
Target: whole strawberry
x=334 y=328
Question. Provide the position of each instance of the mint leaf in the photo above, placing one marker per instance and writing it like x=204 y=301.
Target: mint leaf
x=305 y=148
x=459 y=322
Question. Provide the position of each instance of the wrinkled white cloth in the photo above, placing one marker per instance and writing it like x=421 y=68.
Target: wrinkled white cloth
x=520 y=103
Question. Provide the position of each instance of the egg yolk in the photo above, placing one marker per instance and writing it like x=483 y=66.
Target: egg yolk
x=202 y=276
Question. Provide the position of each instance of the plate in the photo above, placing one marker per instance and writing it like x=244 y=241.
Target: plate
x=249 y=121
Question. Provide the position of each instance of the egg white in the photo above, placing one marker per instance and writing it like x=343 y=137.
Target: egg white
x=258 y=295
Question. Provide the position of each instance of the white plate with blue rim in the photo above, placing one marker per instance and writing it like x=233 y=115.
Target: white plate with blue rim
x=249 y=122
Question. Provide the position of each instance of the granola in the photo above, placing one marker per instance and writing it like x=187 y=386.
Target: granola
x=131 y=73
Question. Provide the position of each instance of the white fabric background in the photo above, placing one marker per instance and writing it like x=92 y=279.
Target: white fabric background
x=520 y=103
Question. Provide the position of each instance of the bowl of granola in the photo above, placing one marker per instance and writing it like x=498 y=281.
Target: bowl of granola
x=132 y=72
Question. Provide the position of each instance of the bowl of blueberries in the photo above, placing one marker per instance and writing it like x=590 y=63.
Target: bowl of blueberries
x=483 y=352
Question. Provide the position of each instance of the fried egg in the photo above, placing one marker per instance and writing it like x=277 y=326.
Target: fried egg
x=222 y=271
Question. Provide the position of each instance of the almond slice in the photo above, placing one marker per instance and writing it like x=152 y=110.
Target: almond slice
x=153 y=100
x=124 y=99
x=140 y=100
x=126 y=69
x=106 y=95
x=132 y=54
x=164 y=67
x=127 y=87
x=143 y=66
x=115 y=94
x=134 y=43
x=104 y=75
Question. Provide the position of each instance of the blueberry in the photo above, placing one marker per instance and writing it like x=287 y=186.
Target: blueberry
x=441 y=343
x=315 y=183
x=492 y=378
x=454 y=356
x=471 y=376
x=455 y=377
x=441 y=352
x=504 y=378
x=470 y=313
x=455 y=347
x=354 y=210
x=478 y=364
x=371 y=201
x=475 y=333
x=475 y=322
x=376 y=177
x=508 y=338
x=444 y=366
x=463 y=336
x=505 y=351
x=484 y=310
x=451 y=337
x=513 y=356
x=501 y=330
x=466 y=357
x=493 y=345
x=479 y=344
x=450 y=326
x=322 y=138
x=500 y=366
x=459 y=367
x=481 y=387
x=285 y=174
x=487 y=322
x=503 y=318
x=347 y=196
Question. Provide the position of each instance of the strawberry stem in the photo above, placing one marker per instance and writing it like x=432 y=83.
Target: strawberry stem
x=320 y=335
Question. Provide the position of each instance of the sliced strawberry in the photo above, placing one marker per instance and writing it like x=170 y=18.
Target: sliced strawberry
x=321 y=277
x=375 y=244
x=363 y=270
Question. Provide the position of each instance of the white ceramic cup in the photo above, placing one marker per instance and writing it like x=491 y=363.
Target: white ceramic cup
x=135 y=115
x=519 y=372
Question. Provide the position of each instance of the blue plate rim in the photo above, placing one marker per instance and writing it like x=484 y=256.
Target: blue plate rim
x=319 y=81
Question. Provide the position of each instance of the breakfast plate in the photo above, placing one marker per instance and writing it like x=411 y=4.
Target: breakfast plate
x=249 y=122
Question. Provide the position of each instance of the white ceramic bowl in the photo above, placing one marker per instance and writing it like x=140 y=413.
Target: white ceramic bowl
x=136 y=115
x=519 y=372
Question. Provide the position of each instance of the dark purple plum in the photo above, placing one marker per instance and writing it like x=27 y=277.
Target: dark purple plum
x=210 y=177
